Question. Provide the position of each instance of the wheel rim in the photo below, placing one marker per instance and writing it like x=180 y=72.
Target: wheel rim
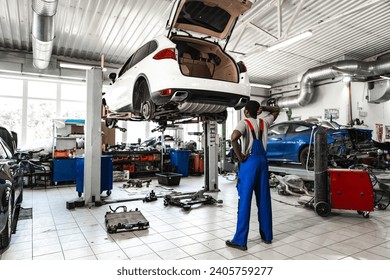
x=322 y=208
x=146 y=110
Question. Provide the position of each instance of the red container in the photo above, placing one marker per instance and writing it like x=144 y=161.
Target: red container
x=351 y=190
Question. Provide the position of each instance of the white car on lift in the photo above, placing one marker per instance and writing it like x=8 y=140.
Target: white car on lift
x=186 y=74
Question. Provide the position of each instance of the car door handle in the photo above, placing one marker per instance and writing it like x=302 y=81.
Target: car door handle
x=276 y=139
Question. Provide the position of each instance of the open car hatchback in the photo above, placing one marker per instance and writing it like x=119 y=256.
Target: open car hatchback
x=185 y=74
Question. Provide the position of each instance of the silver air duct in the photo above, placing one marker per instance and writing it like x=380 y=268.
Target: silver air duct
x=43 y=31
x=346 y=67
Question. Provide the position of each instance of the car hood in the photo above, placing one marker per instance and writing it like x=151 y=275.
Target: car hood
x=215 y=18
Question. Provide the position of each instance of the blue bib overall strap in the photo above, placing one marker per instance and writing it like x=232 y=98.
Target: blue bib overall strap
x=253 y=177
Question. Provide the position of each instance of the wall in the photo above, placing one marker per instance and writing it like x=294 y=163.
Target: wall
x=334 y=94
x=376 y=113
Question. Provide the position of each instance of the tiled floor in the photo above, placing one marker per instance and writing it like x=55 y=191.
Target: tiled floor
x=56 y=233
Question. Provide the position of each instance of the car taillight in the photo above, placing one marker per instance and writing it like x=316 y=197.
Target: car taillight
x=165 y=53
x=241 y=67
x=166 y=92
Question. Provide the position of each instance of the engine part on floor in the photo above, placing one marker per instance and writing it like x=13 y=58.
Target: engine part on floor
x=125 y=220
x=151 y=197
x=186 y=200
x=290 y=184
x=137 y=183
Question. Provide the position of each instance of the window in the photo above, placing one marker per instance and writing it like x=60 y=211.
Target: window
x=40 y=114
x=140 y=54
x=299 y=128
x=126 y=66
x=11 y=113
x=11 y=99
x=279 y=129
x=29 y=114
x=42 y=90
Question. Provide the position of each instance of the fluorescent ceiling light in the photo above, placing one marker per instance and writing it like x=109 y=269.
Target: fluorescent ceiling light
x=260 y=85
x=290 y=41
x=78 y=66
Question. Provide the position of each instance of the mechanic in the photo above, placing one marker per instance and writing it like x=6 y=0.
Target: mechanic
x=253 y=172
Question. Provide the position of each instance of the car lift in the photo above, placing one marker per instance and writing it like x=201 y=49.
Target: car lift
x=186 y=200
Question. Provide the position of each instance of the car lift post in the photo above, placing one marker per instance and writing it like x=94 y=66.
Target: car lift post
x=93 y=139
x=210 y=156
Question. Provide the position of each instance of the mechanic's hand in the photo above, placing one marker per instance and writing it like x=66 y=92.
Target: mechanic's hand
x=242 y=158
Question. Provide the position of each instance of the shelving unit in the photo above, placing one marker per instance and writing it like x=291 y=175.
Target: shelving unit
x=138 y=163
x=68 y=142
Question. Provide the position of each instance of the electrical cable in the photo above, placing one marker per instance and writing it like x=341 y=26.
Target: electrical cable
x=308 y=153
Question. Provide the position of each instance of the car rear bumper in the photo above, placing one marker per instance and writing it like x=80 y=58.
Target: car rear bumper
x=180 y=95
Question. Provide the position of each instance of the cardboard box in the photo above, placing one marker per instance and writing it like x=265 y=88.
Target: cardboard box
x=108 y=135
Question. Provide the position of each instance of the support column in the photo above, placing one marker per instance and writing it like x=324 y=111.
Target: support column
x=210 y=156
x=93 y=138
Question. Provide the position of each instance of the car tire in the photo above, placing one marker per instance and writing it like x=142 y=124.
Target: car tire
x=222 y=117
x=303 y=157
x=148 y=109
x=5 y=235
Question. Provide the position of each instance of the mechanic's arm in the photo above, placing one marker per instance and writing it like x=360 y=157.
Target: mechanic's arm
x=272 y=109
x=236 y=146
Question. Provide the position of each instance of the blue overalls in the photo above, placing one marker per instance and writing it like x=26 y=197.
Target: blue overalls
x=253 y=176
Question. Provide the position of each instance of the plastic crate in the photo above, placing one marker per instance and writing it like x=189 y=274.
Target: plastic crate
x=168 y=178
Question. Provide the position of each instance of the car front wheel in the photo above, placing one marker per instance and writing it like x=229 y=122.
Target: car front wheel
x=306 y=159
x=5 y=236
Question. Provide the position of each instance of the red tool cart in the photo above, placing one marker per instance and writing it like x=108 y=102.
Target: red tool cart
x=351 y=189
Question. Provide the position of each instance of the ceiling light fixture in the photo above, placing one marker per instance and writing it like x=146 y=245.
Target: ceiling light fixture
x=78 y=66
x=290 y=41
x=260 y=85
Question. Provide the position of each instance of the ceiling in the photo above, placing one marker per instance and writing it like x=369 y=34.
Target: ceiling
x=89 y=29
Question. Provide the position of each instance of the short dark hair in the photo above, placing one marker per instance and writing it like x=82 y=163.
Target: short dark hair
x=252 y=106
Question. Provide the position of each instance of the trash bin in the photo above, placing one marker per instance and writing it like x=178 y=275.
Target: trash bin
x=180 y=160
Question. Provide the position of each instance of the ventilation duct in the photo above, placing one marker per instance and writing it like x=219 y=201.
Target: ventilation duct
x=43 y=31
x=353 y=68
x=379 y=91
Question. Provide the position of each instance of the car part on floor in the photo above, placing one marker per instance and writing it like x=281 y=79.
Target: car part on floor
x=125 y=220
x=186 y=200
x=151 y=197
x=137 y=183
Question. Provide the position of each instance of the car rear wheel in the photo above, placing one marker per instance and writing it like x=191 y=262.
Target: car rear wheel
x=5 y=236
x=142 y=102
x=306 y=159
x=148 y=109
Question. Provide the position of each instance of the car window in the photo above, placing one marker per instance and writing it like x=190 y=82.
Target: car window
x=197 y=13
x=295 y=128
x=152 y=46
x=126 y=66
x=4 y=151
x=140 y=54
x=278 y=129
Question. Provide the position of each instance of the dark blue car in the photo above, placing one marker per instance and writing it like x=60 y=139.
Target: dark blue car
x=293 y=141
x=11 y=189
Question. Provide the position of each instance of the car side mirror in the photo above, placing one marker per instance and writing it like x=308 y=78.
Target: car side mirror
x=112 y=77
